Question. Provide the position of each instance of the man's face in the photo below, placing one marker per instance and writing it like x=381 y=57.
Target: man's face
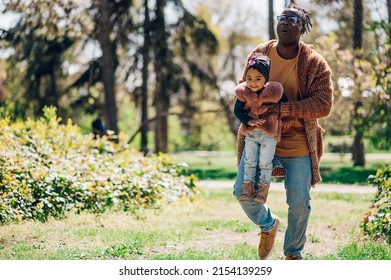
x=289 y=27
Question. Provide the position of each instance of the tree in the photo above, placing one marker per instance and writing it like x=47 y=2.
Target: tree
x=357 y=117
x=40 y=43
x=235 y=42
x=112 y=18
x=144 y=88
x=360 y=69
x=379 y=119
x=171 y=63
x=164 y=76
x=389 y=19
x=272 y=34
x=109 y=61
x=178 y=52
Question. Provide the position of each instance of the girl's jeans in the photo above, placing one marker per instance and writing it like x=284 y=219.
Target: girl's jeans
x=297 y=185
x=260 y=148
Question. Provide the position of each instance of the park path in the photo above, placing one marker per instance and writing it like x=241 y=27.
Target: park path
x=279 y=186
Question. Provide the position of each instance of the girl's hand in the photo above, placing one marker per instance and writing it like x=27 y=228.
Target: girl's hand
x=256 y=122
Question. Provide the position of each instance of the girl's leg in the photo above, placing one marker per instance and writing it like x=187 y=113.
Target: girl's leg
x=260 y=214
x=266 y=155
x=251 y=159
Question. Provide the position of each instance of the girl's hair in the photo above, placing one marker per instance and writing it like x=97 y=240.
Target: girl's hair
x=304 y=15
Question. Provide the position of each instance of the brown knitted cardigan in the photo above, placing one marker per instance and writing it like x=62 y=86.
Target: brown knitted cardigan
x=314 y=100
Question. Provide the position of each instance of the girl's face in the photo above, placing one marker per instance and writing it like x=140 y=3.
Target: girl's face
x=255 y=80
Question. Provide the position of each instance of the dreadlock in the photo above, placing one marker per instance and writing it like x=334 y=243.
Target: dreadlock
x=305 y=16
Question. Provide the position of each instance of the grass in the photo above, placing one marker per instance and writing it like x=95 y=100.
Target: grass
x=213 y=227
x=363 y=251
x=334 y=169
x=215 y=165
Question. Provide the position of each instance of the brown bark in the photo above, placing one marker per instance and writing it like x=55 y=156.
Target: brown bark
x=144 y=87
x=272 y=34
x=358 y=153
x=162 y=97
x=108 y=64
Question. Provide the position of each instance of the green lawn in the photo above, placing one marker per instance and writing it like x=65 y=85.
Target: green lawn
x=213 y=227
x=334 y=169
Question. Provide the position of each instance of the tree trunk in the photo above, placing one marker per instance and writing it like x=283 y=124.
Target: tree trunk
x=358 y=20
x=108 y=64
x=358 y=150
x=144 y=87
x=358 y=153
x=52 y=91
x=389 y=19
x=272 y=34
x=162 y=62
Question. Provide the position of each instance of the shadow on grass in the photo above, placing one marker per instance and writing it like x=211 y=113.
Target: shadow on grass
x=213 y=174
x=346 y=175
x=343 y=175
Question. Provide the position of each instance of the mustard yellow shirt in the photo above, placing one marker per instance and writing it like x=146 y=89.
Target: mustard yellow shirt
x=293 y=140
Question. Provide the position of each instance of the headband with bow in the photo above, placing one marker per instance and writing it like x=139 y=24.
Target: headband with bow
x=260 y=63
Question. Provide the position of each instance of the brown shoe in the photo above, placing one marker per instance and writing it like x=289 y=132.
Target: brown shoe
x=263 y=190
x=293 y=257
x=248 y=191
x=266 y=241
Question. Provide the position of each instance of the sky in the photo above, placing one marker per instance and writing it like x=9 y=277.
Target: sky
x=7 y=20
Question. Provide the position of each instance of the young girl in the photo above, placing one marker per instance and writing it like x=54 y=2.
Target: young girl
x=262 y=130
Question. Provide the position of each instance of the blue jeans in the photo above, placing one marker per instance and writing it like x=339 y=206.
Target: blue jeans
x=297 y=185
x=260 y=148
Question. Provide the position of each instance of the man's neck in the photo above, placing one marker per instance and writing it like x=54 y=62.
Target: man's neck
x=288 y=51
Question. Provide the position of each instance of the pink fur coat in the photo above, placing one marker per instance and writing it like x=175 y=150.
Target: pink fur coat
x=271 y=93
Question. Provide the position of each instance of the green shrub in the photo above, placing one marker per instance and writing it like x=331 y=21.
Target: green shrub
x=377 y=222
x=48 y=169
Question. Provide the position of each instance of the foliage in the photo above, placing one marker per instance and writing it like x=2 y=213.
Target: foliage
x=48 y=169
x=52 y=38
x=43 y=41
x=380 y=119
x=377 y=222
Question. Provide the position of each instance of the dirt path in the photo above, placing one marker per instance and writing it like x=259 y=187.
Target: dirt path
x=322 y=239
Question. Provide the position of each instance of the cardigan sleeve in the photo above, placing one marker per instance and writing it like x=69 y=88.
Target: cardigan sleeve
x=318 y=99
x=241 y=113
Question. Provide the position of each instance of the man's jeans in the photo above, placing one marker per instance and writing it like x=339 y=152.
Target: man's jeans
x=260 y=148
x=297 y=185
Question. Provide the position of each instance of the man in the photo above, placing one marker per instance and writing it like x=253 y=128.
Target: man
x=98 y=126
x=306 y=78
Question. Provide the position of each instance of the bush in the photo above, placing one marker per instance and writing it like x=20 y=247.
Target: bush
x=377 y=222
x=48 y=169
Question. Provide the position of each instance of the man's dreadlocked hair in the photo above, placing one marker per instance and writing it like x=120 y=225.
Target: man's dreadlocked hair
x=305 y=16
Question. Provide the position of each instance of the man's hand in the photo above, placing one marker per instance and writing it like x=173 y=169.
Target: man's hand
x=273 y=108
